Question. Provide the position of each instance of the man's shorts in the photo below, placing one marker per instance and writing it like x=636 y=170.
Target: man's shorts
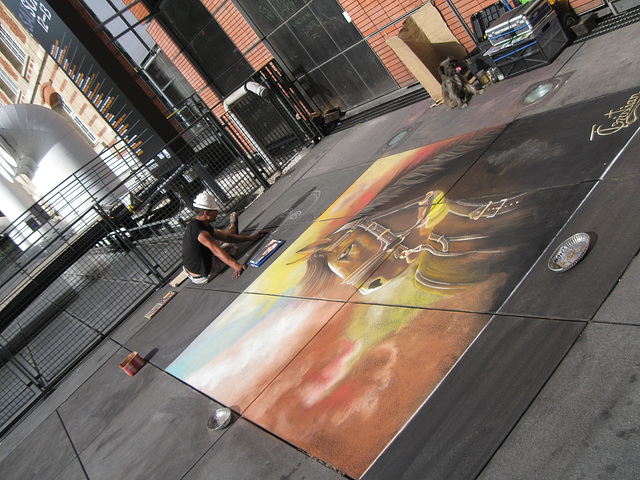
x=217 y=265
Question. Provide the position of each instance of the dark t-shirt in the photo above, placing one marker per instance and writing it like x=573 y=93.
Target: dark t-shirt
x=195 y=256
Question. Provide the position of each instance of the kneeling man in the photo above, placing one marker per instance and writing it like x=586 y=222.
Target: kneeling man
x=203 y=257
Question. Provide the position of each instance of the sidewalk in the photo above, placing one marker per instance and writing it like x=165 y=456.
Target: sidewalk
x=547 y=388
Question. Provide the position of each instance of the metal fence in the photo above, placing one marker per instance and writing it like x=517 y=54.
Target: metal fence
x=274 y=125
x=85 y=255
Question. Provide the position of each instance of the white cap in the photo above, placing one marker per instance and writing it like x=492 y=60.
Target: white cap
x=205 y=202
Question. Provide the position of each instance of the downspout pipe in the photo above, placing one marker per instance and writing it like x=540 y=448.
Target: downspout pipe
x=248 y=87
x=262 y=92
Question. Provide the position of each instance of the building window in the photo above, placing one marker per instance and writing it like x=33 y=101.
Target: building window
x=8 y=86
x=8 y=165
x=79 y=122
x=167 y=79
x=14 y=52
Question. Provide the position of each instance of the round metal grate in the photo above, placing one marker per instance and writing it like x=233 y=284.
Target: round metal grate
x=539 y=92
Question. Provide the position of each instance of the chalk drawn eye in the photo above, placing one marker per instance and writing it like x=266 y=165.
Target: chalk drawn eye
x=345 y=252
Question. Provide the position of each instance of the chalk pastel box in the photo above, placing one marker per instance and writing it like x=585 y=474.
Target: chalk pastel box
x=259 y=258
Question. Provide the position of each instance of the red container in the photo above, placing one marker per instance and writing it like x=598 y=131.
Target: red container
x=132 y=364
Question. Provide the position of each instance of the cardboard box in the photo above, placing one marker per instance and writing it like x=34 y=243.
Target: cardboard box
x=423 y=42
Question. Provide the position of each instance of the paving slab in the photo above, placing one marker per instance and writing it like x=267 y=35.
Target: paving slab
x=73 y=471
x=480 y=276
x=357 y=383
x=137 y=320
x=179 y=322
x=584 y=423
x=310 y=197
x=553 y=148
x=71 y=383
x=246 y=451
x=366 y=142
x=626 y=163
x=614 y=70
x=397 y=178
x=248 y=345
x=103 y=398
x=146 y=426
x=35 y=458
x=579 y=292
x=465 y=420
x=623 y=304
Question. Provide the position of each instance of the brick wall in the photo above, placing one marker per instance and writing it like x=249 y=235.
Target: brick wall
x=377 y=20
x=466 y=8
x=371 y=16
x=12 y=25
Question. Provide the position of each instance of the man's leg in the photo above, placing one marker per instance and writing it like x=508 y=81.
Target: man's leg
x=218 y=265
x=233 y=224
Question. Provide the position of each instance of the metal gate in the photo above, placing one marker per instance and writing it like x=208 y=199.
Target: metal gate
x=274 y=126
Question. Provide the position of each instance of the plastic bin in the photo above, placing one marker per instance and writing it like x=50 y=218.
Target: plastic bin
x=481 y=20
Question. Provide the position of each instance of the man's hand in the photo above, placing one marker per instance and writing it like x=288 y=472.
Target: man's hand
x=259 y=235
x=237 y=271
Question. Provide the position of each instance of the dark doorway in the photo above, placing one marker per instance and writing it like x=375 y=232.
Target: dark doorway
x=206 y=43
x=323 y=51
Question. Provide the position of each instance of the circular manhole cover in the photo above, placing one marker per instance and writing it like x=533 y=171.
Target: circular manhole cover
x=540 y=91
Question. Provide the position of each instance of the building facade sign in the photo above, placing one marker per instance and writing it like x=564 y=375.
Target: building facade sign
x=87 y=74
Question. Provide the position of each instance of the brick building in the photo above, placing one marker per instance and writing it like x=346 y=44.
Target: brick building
x=336 y=51
x=30 y=75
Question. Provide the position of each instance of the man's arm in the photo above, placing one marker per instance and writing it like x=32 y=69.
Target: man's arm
x=236 y=238
x=208 y=241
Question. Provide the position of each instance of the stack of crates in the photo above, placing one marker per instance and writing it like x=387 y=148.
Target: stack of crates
x=526 y=38
x=481 y=20
x=518 y=23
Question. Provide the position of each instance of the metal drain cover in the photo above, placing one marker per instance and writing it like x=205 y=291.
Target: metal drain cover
x=220 y=419
x=538 y=92
x=569 y=252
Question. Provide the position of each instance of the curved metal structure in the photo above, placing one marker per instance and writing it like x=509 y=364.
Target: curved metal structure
x=47 y=148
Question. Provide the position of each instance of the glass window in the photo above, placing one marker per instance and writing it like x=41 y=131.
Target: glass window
x=14 y=52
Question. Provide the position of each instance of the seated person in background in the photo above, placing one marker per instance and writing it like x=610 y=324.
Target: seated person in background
x=203 y=257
